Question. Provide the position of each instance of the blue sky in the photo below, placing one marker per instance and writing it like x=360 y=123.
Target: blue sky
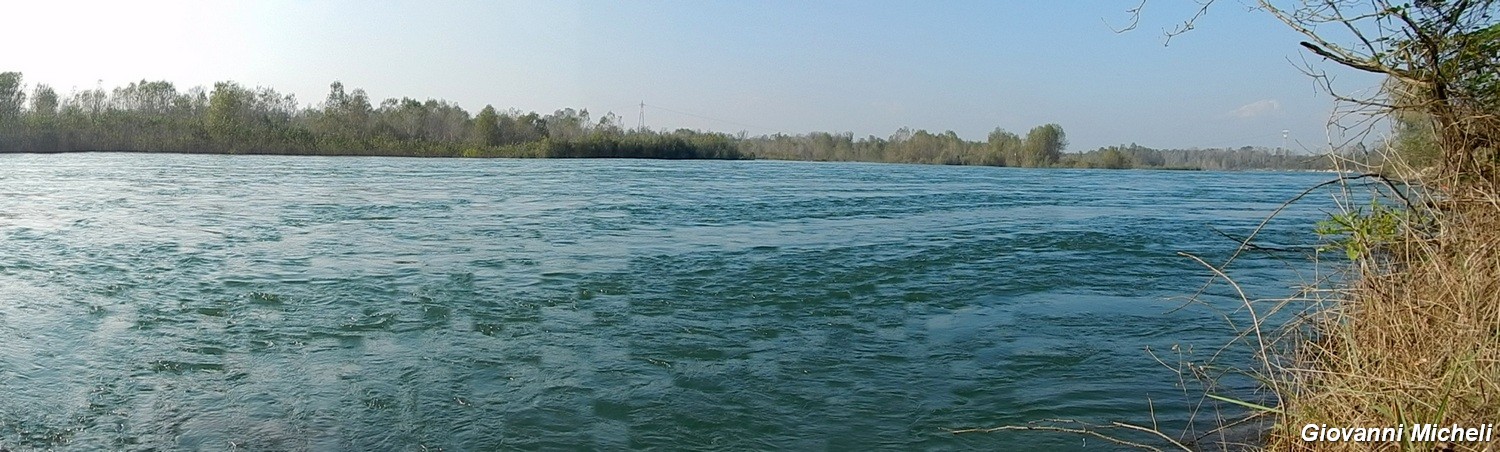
x=867 y=67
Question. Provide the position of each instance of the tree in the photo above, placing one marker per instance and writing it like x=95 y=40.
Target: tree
x=1112 y=158
x=610 y=125
x=1414 y=140
x=345 y=119
x=1442 y=58
x=226 y=120
x=566 y=124
x=1004 y=148
x=12 y=95
x=44 y=101
x=407 y=117
x=487 y=127
x=1044 y=145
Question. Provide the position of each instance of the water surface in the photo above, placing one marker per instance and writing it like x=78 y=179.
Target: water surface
x=272 y=303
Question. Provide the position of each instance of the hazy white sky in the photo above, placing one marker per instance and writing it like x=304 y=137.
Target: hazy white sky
x=867 y=67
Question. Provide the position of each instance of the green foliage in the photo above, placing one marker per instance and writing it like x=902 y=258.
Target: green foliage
x=487 y=127
x=1359 y=232
x=905 y=146
x=227 y=121
x=1114 y=159
x=156 y=117
x=1043 y=147
x=1003 y=147
x=1443 y=82
x=1136 y=156
x=44 y=101
x=1415 y=141
x=12 y=95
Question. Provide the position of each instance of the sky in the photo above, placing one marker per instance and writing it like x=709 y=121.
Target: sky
x=762 y=67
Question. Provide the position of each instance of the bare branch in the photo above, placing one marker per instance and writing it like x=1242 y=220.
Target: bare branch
x=1345 y=60
x=1135 y=18
x=1083 y=429
x=1188 y=25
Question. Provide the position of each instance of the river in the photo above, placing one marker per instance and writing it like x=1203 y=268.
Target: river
x=153 y=301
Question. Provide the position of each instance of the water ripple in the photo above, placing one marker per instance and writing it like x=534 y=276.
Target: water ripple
x=272 y=303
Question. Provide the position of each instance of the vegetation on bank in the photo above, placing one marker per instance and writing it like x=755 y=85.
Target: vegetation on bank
x=1411 y=335
x=1041 y=147
x=1414 y=338
x=155 y=116
x=233 y=119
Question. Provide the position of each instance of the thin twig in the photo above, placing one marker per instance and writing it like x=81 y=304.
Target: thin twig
x=1079 y=431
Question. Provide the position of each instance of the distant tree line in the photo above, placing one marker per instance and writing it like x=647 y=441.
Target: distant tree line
x=1041 y=147
x=230 y=118
x=234 y=119
x=1243 y=158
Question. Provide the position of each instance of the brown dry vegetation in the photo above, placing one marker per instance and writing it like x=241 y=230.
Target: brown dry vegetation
x=1413 y=335
x=1415 y=338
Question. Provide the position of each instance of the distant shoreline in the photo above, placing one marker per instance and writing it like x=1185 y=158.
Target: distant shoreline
x=238 y=120
x=420 y=156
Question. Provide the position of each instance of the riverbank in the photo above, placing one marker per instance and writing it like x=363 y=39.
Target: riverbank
x=1413 y=339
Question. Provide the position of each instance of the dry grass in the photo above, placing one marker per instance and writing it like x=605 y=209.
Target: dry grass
x=1410 y=336
x=1413 y=338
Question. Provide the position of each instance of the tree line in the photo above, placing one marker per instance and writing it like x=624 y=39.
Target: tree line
x=1243 y=158
x=156 y=116
x=1043 y=146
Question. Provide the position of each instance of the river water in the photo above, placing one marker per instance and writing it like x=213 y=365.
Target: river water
x=207 y=302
